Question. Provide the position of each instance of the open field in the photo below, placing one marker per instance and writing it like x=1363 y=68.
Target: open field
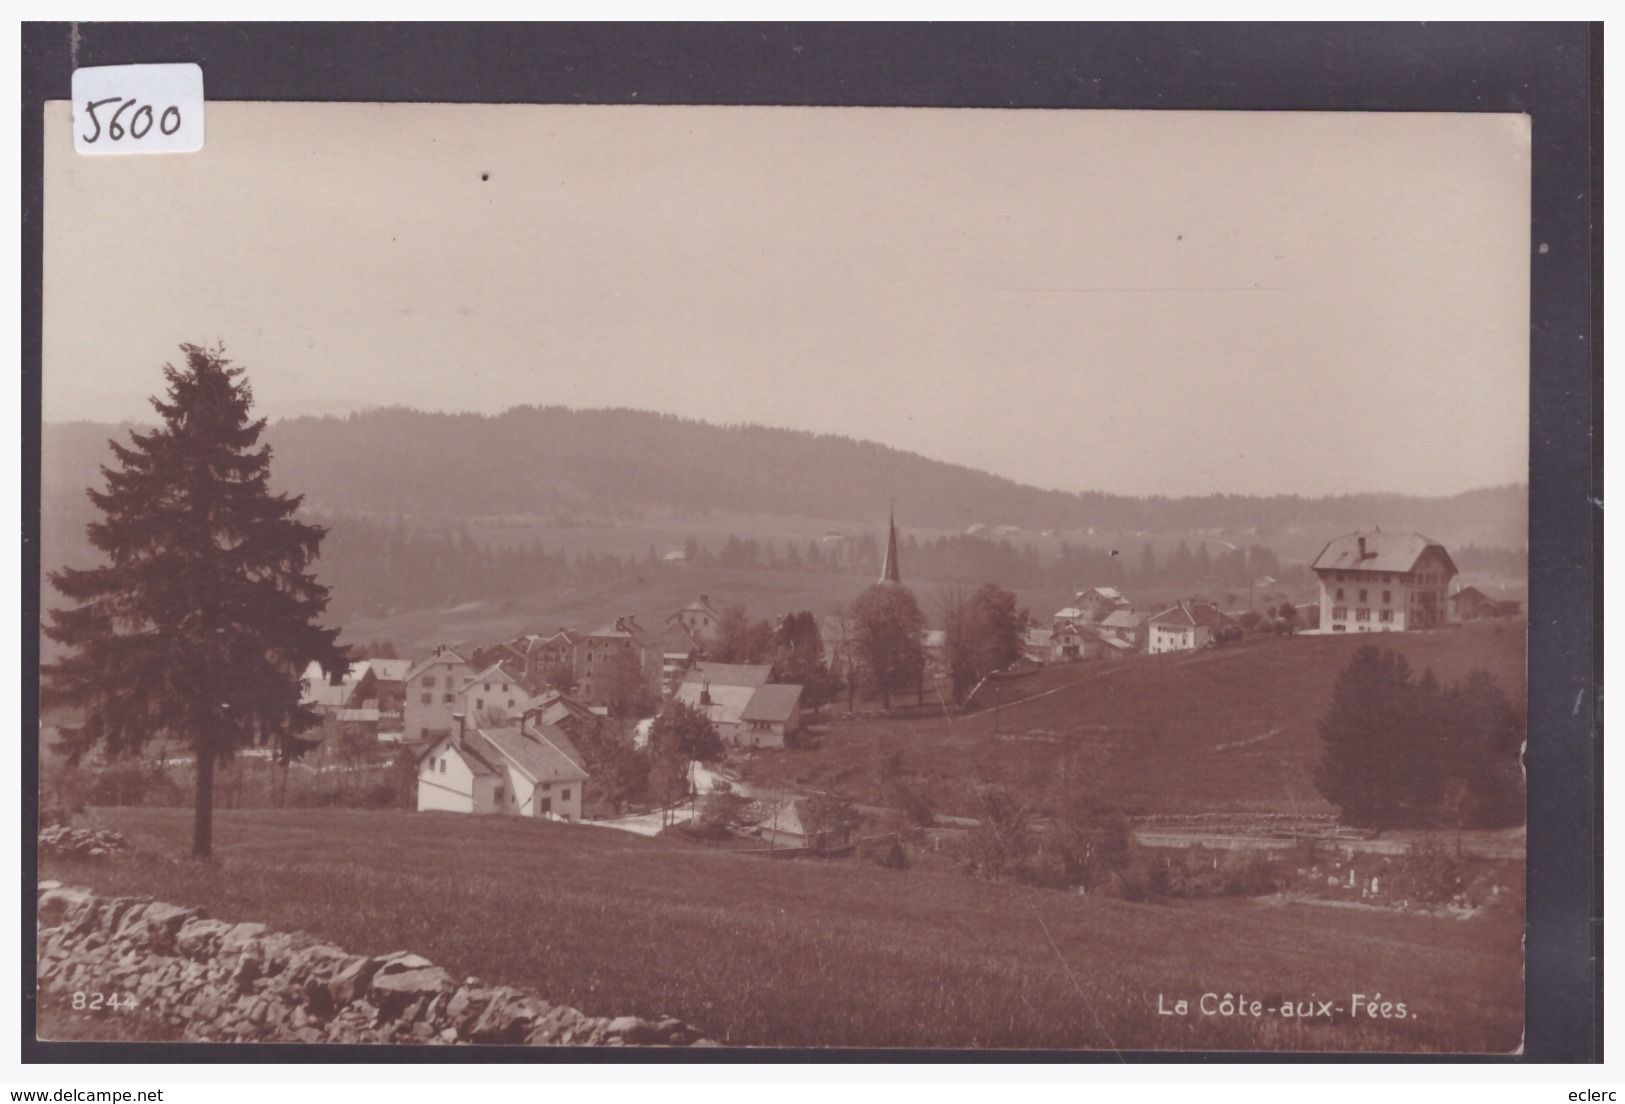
x=1228 y=730
x=652 y=597
x=823 y=954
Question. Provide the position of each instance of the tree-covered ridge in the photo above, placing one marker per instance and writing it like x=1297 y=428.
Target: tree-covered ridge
x=551 y=461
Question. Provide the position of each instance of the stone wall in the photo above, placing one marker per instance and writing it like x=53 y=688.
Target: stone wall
x=214 y=981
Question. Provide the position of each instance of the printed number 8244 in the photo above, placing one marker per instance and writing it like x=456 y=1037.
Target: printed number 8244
x=96 y=1002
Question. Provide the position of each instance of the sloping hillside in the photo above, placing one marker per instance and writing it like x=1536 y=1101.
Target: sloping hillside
x=1230 y=730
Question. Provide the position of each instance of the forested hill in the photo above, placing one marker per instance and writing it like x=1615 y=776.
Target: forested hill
x=558 y=463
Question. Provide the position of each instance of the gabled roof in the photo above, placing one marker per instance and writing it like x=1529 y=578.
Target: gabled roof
x=702 y=604
x=449 y=656
x=1111 y=594
x=390 y=670
x=554 y=707
x=477 y=763
x=1071 y=613
x=1190 y=613
x=1396 y=552
x=495 y=671
x=537 y=753
x=773 y=703
x=728 y=702
x=728 y=674
x=1123 y=619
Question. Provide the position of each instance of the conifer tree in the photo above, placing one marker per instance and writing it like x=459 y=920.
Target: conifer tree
x=201 y=619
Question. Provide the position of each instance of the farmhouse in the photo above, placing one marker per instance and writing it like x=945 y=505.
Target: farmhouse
x=431 y=692
x=518 y=770
x=1383 y=582
x=1471 y=604
x=1185 y=627
x=1127 y=626
x=746 y=710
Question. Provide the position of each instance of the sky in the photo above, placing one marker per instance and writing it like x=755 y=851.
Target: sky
x=1132 y=302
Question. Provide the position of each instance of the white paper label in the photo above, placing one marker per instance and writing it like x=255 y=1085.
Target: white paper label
x=138 y=109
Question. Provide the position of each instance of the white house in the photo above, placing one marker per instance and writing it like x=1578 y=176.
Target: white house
x=432 y=687
x=746 y=709
x=1383 y=582
x=530 y=770
x=493 y=693
x=1185 y=627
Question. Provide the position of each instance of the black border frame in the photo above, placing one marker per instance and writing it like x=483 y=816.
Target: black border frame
x=1551 y=71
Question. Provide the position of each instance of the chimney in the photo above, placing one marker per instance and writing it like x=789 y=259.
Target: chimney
x=705 y=692
x=1362 y=548
x=705 y=599
x=462 y=725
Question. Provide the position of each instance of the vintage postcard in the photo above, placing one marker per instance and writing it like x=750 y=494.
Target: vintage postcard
x=581 y=576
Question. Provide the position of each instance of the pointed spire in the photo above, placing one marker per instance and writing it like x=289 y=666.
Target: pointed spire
x=888 y=570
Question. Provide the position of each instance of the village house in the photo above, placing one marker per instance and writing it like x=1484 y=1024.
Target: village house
x=1074 y=641
x=747 y=710
x=559 y=710
x=1383 y=582
x=699 y=619
x=597 y=652
x=1185 y=627
x=431 y=692
x=498 y=692
x=1471 y=604
x=515 y=770
x=1128 y=626
x=1098 y=603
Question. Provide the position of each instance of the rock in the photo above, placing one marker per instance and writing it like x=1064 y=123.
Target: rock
x=352 y=981
x=393 y=992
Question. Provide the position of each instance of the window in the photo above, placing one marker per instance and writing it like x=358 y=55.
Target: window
x=1387 y=615
x=428 y=680
x=547 y=804
x=449 y=697
x=479 y=703
x=565 y=796
x=442 y=766
x=1387 y=596
x=499 y=794
x=1362 y=615
x=1339 y=613
x=488 y=688
x=1362 y=595
x=505 y=690
x=428 y=699
x=1339 y=594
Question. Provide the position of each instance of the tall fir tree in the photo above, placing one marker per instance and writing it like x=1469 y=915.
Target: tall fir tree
x=201 y=620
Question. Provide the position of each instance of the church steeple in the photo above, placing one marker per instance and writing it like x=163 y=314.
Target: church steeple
x=888 y=570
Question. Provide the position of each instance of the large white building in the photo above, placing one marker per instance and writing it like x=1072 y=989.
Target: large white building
x=433 y=688
x=1383 y=582
x=526 y=770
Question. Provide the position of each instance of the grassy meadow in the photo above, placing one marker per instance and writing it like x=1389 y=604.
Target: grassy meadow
x=1227 y=730
x=824 y=954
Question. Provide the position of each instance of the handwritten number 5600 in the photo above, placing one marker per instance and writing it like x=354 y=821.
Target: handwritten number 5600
x=168 y=123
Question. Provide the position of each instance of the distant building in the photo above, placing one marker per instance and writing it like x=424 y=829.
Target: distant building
x=1471 y=604
x=431 y=692
x=699 y=619
x=596 y=654
x=517 y=770
x=1383 y=582
x=1099 y=603
x=1184 y=627
x=1128 y=626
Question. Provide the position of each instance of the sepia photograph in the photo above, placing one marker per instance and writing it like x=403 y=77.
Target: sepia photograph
x=578 y=576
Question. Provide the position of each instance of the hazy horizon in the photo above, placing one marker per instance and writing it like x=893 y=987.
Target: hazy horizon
x=1137 y=303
